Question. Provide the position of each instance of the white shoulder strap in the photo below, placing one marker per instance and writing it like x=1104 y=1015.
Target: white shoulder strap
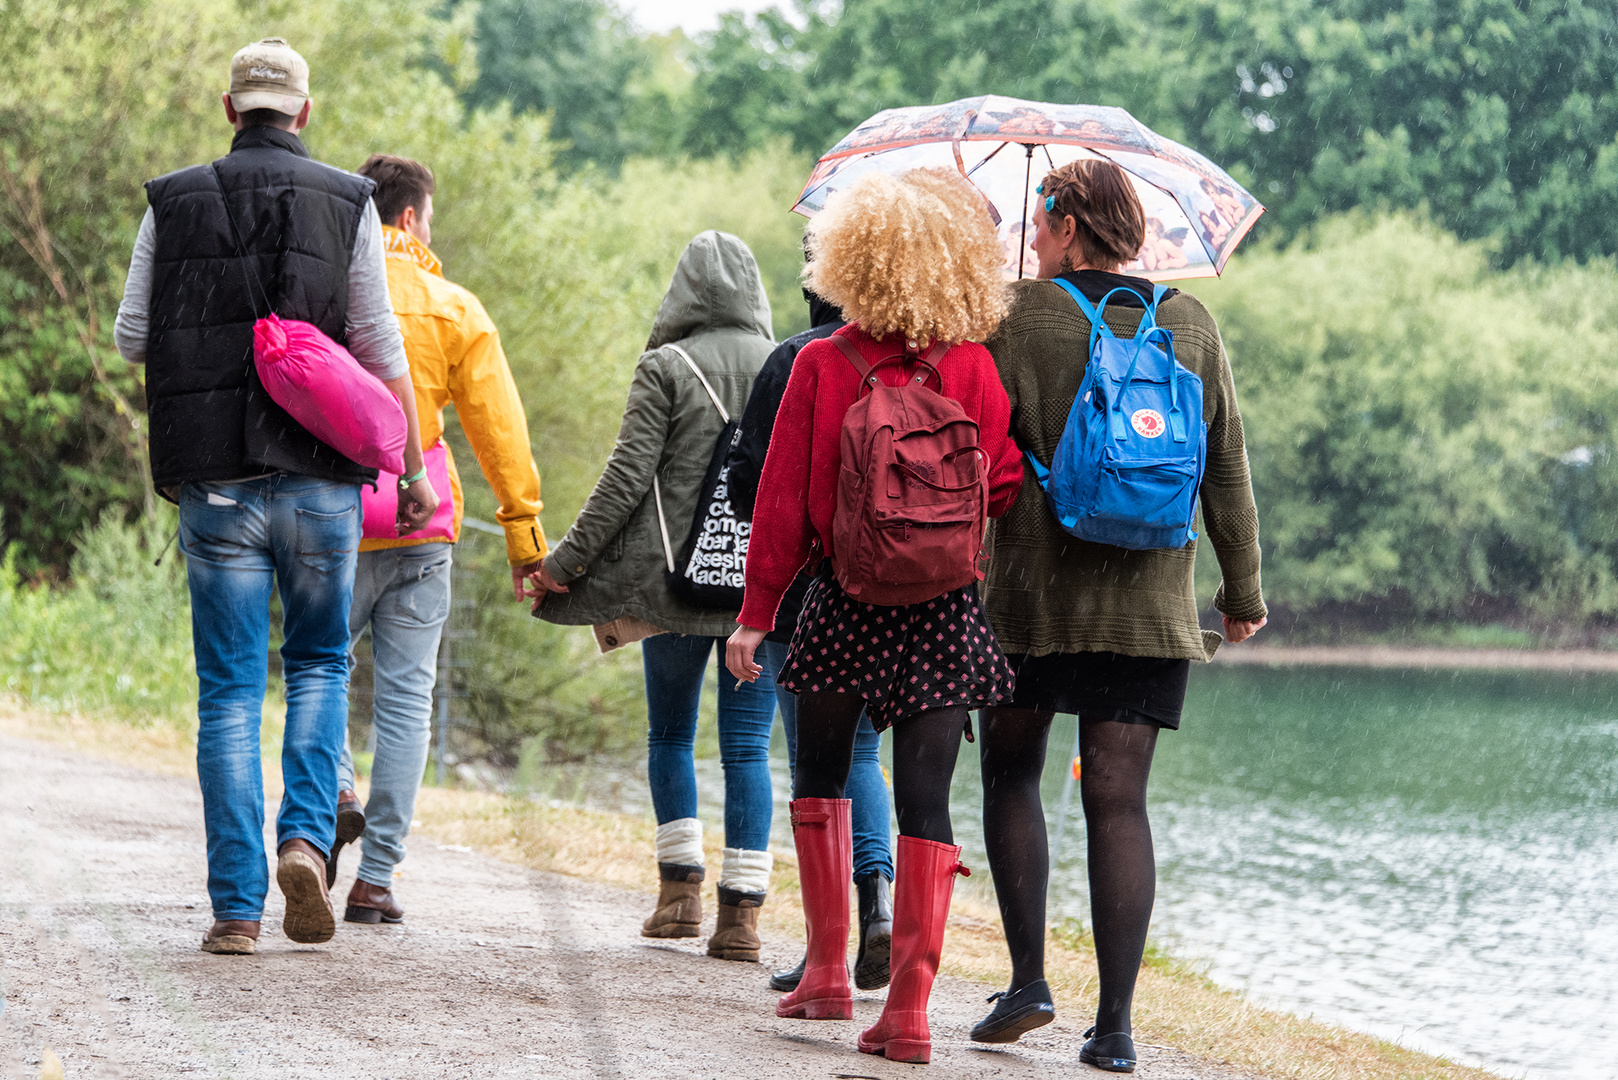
x=662 y=522
x=692 y=364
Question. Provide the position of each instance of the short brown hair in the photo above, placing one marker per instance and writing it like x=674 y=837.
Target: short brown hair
x=1107 y=214
x=400 y=182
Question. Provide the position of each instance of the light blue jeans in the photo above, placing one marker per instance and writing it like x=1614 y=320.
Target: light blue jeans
x=867 y=789
x=403 y=593
x=241 y=539
x=674 y=665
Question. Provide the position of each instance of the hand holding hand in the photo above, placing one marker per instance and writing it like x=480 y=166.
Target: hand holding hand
x=739 y=652
x=544 y=583
x=416 y=506
x=519 y=575
x=1237 y=630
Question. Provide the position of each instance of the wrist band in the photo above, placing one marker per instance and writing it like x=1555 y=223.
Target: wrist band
x=406 y=481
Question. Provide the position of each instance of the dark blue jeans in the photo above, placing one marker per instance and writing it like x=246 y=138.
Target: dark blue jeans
x=241 y=539
x=867 y=788
x=674 y=665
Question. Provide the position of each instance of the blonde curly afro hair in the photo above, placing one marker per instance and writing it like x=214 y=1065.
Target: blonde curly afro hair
x=914 y=254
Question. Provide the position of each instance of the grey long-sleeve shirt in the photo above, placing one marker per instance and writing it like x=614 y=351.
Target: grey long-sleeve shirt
x=372 y=331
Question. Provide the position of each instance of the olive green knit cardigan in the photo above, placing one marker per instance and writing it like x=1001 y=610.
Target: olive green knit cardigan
x=1049 y=592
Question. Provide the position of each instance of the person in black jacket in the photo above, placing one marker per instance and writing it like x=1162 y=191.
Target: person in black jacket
x=263 y=503
x=867 y=787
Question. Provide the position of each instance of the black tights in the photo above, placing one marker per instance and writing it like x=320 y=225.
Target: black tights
x=1117 y=759
x=925 y=747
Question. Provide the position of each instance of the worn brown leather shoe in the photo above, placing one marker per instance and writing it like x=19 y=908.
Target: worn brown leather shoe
x=232 y=937
x=679 y=903
x=301 y=873
x=372 y=904
x=735 y=936
x=350 y=825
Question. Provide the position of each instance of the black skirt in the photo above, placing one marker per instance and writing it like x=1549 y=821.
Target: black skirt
x=1102 y=686
x=901 y=660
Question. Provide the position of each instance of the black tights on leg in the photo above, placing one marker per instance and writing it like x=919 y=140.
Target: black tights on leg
x=925 y=746
x=1011 y=748
x=1123 y=872
x=827 y=721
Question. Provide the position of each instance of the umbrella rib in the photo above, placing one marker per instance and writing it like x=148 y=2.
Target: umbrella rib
x=1022 y=236
x=987 y=158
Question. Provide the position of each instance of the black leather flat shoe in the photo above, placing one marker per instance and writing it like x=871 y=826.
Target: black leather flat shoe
x=784 y=982
x=1114 y=1053
x=1016 y=1013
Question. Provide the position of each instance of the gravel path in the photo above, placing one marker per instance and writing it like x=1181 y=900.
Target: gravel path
x=498 y=971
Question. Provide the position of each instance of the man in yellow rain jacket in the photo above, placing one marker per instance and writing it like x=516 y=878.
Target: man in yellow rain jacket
x=402 y=585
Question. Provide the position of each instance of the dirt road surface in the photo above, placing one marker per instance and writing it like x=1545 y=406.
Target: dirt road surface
x=498 y=971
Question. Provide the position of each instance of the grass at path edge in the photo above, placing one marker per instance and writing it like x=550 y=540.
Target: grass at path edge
x=1175 y=1005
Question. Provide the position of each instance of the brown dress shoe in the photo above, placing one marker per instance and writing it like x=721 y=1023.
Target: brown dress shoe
x=679 y=903
x=232 y=937
x=350 y=826
x=736 y=935
x=373 y=904
x=301 y=873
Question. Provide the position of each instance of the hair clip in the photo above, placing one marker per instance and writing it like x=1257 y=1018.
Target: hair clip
x=1040 y=190
x=1050 y=203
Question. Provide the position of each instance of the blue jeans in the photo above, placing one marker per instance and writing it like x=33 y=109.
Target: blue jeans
x=298 y=535
x=867 y=789
x=403 y=593
x=674 y=665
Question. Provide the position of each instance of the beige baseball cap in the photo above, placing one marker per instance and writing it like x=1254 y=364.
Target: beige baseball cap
x=269 y=74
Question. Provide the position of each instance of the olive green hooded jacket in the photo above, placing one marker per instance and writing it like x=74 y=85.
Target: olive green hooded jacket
x=612 y=559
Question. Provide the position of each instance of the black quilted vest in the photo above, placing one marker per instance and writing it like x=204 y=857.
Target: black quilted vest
x=209 y=417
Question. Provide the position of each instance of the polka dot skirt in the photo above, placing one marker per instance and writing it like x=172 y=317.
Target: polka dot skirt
x=902 y=660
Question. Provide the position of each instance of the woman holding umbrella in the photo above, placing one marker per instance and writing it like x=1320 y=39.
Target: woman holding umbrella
x=913 y=263
x=1102 y=632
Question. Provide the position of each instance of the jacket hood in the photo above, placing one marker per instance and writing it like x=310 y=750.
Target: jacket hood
x=716 y=286
x=821 y=310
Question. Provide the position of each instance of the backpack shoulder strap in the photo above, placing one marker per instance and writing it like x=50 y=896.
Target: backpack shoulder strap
x=929 y=361
x=1089 y=309
x=1096 y=313
x=853 y=354
x=703 y=379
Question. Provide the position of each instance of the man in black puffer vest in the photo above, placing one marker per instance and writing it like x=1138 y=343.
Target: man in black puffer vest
x=263 y=503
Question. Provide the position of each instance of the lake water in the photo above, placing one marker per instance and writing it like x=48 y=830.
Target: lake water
x=1430 y=857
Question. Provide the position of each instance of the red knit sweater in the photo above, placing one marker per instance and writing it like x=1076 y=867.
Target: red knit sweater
x=797 y=493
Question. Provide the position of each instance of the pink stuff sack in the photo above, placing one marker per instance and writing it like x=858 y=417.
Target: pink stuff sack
x=382 y=505
x=324 y=388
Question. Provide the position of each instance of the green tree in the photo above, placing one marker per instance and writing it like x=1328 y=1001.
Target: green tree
x=574 y=59
x=1428 y=437
x=1500 y=116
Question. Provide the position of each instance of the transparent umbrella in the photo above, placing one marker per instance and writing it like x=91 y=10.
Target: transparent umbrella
x=1195 y=213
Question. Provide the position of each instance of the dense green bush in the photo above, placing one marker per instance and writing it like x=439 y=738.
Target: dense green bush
x=117 y=640
x=1427 y=435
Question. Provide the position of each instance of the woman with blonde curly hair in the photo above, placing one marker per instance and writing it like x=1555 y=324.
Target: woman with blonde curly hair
x=914 y=264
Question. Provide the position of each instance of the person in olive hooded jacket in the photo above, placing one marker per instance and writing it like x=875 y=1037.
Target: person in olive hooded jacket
x=612 y=561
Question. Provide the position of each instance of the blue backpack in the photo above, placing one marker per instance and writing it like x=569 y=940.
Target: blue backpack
x=1130 y=460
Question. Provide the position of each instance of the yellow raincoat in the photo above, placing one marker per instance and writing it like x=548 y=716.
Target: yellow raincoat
x=455 y=358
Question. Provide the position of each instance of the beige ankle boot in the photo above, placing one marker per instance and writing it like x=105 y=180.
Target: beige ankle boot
x=736 y=936
x=679 y=903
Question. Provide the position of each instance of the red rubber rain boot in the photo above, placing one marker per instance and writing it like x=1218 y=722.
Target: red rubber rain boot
x=921 y=891
x=824 y=837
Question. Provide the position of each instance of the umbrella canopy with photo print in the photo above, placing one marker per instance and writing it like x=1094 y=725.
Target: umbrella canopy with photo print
x=1195 y=213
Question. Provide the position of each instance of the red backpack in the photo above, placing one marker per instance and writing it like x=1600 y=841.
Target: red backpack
x=913 y=495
